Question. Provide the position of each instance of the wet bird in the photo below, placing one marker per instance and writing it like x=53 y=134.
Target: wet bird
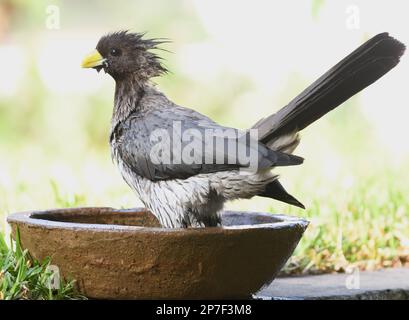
x=190 y=191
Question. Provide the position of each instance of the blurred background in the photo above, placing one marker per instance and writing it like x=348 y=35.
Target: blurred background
x=235 y=61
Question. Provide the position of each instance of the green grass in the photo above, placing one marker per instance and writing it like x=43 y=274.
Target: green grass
x=22 y=277
x=367 y=227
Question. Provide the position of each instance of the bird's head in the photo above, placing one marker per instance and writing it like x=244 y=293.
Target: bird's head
x=123 y=54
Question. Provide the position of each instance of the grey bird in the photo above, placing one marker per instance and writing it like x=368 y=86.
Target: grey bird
x=182 y=192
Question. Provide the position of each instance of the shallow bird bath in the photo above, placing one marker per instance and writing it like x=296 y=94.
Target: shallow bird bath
x=124 y=254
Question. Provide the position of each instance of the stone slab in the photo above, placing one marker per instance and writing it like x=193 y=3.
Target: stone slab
x=383 y=284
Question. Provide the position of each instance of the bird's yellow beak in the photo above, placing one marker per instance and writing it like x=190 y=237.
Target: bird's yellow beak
x=94 y=59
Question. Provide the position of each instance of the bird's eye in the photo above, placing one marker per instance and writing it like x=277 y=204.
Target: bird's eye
x=115 y=52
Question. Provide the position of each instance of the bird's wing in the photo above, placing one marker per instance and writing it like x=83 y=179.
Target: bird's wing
x=178 y=143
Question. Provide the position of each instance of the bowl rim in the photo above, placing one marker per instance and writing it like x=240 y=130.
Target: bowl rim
x=27 y=218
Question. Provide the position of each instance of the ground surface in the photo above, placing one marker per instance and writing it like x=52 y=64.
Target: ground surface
x=367 y=285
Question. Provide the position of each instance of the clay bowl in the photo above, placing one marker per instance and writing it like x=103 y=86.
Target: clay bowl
x=124 y=254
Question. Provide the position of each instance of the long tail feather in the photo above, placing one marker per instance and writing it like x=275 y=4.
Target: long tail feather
x=358 y=70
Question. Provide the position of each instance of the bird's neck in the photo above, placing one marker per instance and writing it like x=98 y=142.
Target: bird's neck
x=128 y=94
